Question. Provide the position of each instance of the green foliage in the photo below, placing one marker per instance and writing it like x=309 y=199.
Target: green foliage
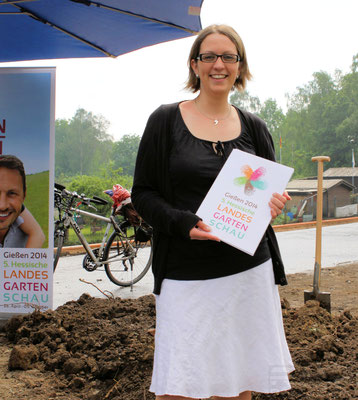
x=279 y=220
x=246 y=102
x=83 y=147
x=321 y=119
x=37 y=199
x=124 y=153
x=269 y=111
x=88 y=160
x=92 y=185
x=82 y=144
x=283 y=219
x=273 y=115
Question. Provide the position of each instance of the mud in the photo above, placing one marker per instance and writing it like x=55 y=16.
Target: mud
x=98 y=349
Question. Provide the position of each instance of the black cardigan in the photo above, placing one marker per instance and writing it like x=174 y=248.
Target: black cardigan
x=152 y=192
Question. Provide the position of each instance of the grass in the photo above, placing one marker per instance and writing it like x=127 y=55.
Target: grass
x=37 y=199
x=86 y=231
x=97 y=237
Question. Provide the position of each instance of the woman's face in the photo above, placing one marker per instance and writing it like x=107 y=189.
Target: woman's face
x=217 y=77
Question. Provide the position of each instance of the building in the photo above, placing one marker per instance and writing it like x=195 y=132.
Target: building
x=336 y=193
x=350 y=175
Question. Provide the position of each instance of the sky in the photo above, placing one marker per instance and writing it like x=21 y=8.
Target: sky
x=26 y=110
x=286 y=42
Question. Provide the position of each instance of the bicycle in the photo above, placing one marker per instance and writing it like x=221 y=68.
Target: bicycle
x=126 y=255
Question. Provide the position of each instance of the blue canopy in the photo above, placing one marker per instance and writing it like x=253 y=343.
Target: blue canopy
x=46 y=29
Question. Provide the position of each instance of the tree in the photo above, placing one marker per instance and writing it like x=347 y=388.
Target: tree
x=269 y=111
x=92 y=185
x=354 y=66
x=82 y=143
x=273 y=115
x=347 y=130
x=321 y=119
x=309 y=126
x=245 y=101
x=124 y=153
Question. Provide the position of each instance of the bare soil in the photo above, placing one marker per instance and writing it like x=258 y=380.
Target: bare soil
x=98 y=349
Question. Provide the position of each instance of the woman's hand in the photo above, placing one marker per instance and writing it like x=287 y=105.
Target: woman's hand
x=277 y=203
x=200 y=232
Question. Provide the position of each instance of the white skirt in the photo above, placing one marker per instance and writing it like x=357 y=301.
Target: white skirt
x=220 y=337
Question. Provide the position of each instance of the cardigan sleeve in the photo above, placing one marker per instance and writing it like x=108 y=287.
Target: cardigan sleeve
x=151 y=190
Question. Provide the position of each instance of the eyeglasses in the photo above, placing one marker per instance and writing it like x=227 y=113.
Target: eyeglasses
x=226 y=58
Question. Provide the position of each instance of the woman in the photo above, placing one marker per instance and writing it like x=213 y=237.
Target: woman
x=219 y=330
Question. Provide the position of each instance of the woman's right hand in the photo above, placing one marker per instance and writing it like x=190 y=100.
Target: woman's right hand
x=201 y=232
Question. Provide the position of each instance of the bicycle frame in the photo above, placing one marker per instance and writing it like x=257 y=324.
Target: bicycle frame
x=69 y=220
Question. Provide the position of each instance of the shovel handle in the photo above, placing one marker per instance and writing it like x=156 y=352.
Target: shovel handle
x=320 y=160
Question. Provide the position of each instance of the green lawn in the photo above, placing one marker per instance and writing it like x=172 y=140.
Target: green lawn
x=97 y=237
x=86 y=231
x=37 y=199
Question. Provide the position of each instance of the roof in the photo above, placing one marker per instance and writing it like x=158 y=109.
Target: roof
x=343 y=172
x=310 y=185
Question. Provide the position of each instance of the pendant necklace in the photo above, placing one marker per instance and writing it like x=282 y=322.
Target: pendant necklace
x=215 y=120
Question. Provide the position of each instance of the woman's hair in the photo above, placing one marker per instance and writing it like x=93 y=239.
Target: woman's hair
x=193 y=83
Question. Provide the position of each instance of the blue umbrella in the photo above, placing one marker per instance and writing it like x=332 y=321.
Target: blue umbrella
x=47 y=29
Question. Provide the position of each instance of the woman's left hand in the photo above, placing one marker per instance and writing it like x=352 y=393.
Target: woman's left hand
x=277 y=203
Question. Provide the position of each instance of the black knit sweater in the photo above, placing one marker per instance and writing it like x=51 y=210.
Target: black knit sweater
x=152 y=194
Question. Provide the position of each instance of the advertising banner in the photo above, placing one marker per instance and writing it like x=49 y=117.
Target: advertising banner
x=27 y=123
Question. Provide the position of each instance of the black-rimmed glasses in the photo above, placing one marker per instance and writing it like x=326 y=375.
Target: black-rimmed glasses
x=211 y=58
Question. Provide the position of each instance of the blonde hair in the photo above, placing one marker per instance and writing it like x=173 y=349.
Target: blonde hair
x=193 y=83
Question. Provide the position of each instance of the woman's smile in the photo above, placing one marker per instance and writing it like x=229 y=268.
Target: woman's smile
x=216 y=76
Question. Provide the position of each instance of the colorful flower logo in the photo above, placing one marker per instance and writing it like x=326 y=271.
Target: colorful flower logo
x=251 y=179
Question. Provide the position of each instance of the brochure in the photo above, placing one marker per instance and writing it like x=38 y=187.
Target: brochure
x=236 y=206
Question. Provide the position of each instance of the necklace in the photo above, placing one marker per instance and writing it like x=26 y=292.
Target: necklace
x=215 y=120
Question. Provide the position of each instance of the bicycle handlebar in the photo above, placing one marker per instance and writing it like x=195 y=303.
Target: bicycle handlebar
x=86 y=200
x=59 y=187
x=100 y=200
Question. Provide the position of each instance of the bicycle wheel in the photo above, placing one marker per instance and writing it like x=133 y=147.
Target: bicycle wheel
x=122 y=269
x=60 y=240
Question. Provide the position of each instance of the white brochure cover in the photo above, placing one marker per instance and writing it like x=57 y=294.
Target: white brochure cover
x=236 y=206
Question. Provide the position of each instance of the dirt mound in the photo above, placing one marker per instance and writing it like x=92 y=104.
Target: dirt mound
x=97 y=349
x=324 y=349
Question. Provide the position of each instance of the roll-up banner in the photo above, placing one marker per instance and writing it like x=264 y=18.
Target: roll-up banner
x=27 y=124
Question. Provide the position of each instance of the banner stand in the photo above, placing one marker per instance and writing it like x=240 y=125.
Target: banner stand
x=27 y=133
